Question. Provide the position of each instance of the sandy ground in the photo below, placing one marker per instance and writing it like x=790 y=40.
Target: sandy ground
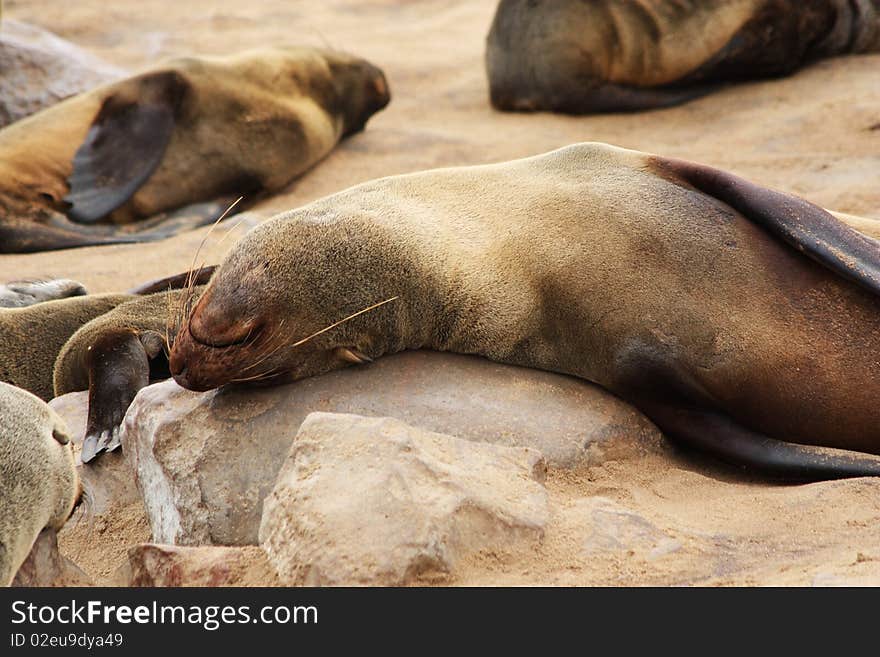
x=816 y=134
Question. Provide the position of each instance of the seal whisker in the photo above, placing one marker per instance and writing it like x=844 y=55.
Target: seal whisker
x=342 y=321
x=191 y=278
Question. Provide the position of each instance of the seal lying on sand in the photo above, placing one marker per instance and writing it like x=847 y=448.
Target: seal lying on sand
x=186 y=138
x=38 y=482
x=739 y=319
x=583 y=56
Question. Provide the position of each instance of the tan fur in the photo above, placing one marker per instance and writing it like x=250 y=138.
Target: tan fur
x=155 y=312
x=259 y=117
x=561 y=54
x=31 y=337
x=585 y=261
x=38 y=481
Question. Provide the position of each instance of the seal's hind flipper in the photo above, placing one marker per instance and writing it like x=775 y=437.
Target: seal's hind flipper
x=806 y=227
x=19 y=294
x=31 y=237
x=124 y=145
x=195 y=277
x=720 y=436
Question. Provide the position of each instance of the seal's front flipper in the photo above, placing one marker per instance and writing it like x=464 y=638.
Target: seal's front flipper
x=618 y=98
x=124 y=145
x=804 y=226
x=574 y=99
x=720 y=436
x=119 y=366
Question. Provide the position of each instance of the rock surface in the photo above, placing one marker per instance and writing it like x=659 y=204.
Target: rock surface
x=610 y=527
x=376 y=501
x=107 y=481
x=150 y=564
x=205 y=462
x=46 y=566
x=38 y=69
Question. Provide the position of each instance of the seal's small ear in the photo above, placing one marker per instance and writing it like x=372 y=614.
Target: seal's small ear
x=352 y=355
x=153 y=342
x=124 y=145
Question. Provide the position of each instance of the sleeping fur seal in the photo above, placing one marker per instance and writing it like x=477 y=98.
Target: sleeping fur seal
x=177 y=144
x=38 y=482
x=584 y=56
x=741 y=320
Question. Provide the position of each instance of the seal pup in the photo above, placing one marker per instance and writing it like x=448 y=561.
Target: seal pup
x=585 y=56
x=115 y=355
x=39 y=486
x=33 y=336
x=177 y=143
x=739 y=319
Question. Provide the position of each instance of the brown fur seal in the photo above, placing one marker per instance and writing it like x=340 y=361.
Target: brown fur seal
x=583 y=56
x=740 y=320
x=185 y=138
x=33 y=336
x=38 y=482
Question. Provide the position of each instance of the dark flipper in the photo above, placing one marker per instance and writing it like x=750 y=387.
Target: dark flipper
x=32 y=237
x=199 y=276
x=119 y=366
x=722 y=437
x=806 y=227
x=607 y=98
x=124 y=145
x=17 y=236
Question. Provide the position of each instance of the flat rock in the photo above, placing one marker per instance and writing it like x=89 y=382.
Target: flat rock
x=38 y=69
x=45 y=566
x=376 y=501
x=204 y=462
x=611 y=527
x=150 y=564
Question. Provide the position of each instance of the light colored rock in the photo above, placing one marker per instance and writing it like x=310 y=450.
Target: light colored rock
x=376 y=501
x=150 y=564
x=205 y=462
x=610 y=527
x=38 y=69
x=108 y=482
x=45 y=566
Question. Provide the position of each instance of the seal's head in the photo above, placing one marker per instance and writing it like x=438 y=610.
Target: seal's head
x=286 y=304
x=360 y=90
x=38 y=482
x=345 y=86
